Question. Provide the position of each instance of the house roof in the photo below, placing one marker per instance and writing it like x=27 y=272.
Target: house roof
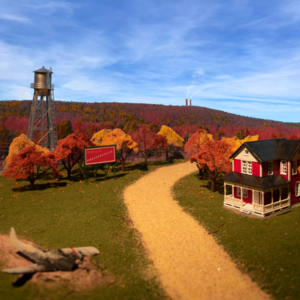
x=255 y=181
x=274 y=149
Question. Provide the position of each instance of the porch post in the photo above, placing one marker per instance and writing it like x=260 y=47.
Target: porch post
x=272 y=200
x=263 y=201
x=242 y=195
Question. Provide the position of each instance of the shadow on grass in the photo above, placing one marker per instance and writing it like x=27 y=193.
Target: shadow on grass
x=219 y=184
x=39 y=187
x=22 y=280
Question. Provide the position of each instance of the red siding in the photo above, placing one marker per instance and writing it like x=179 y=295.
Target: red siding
x=237 y=165
x=255 y=168
x=265 y=168
x=294 y=179
x=276 y=166
x=249 y=199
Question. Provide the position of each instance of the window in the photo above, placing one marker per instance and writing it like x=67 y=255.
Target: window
x=297 y=189
x=270 y=167
x=246 y=152
x=238 y=192
x=284 y=192
x=294 y=167
x=250 y=167
x=283 y=167
x=228 y=190
x=244 y=167
x=245 y=193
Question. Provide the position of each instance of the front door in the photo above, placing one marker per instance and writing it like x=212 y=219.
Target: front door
x=247 y=196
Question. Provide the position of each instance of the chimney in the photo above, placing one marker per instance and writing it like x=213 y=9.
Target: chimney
x=186 y=102
x=190 y=102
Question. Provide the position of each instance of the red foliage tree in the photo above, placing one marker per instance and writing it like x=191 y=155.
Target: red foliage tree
x=292 y=137
x=148 y=141
x=195 y=143
x=70 y=149
x=27 y=163
x=212 y=157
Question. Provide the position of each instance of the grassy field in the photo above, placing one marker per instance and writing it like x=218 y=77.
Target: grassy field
x=267 y=250
x=59 y=214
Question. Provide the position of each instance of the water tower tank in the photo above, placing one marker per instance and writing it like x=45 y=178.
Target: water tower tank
x=42 y=81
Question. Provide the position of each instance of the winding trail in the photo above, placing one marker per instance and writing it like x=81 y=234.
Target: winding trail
x=189 y=263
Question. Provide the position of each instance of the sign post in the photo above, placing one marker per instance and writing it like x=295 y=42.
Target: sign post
x=99 y=157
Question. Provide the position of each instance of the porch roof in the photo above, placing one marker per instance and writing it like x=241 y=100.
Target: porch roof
x=255 y=181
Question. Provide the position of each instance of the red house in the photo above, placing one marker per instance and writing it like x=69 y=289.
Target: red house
x=264 y=177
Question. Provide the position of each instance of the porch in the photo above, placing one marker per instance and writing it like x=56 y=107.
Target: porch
x=256 y=201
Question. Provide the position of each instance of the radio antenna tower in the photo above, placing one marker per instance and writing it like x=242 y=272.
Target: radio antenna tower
x=42 y=115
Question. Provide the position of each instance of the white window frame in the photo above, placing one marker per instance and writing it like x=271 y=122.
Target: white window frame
x=244 y=167
x=297 y=190
x=249 y=167
x=245 y=193
x=287 y=193
x=246 y=152
x=283 y=167
x=238 y=191
x=270 y=167
x=294 y=163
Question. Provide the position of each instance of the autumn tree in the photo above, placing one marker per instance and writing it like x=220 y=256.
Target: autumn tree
x=212 y=157
x=124 y=144
x=21 y=142
x=64 y=128
x=98 y=136
x=195 y=143
x=148 y=141
x=292 y=137
x=70 y=150
x=153 y=127
x=173 y=139
x=27 y=163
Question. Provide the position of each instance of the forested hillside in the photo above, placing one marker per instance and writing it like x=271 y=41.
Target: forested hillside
x=92 y=117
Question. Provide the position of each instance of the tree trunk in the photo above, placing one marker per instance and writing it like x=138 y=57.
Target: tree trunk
x=167 y=153
x=31 y=180
x=122 y=165
x=212 y=183
x=200 y=171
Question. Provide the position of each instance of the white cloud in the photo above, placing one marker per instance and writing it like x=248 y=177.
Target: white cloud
x=16 y=18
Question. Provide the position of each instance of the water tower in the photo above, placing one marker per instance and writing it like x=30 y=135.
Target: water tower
x=42 y=115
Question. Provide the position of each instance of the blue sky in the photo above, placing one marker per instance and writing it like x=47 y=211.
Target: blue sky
x=237 y=56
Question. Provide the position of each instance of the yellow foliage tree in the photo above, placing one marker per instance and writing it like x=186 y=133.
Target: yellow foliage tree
x=235 y=143
x=19 y=143
x=173 y=139
x=98 y=136
x=124 y=144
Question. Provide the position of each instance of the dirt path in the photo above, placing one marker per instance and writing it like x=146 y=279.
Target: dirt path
x=189 y=263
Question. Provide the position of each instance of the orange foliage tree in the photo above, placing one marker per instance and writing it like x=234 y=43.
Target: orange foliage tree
x=195 y=143
x=124 y=144
x=148 y=141
x=26 y=165
x=212 y=156
x=70 y=150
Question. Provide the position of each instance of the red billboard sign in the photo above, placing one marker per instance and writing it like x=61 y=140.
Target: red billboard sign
x=99 y=155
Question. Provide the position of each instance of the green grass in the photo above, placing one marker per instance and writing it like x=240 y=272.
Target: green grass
x=267 y=250
x=62 y=214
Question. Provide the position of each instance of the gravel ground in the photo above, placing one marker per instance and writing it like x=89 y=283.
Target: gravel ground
x=189 y=263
